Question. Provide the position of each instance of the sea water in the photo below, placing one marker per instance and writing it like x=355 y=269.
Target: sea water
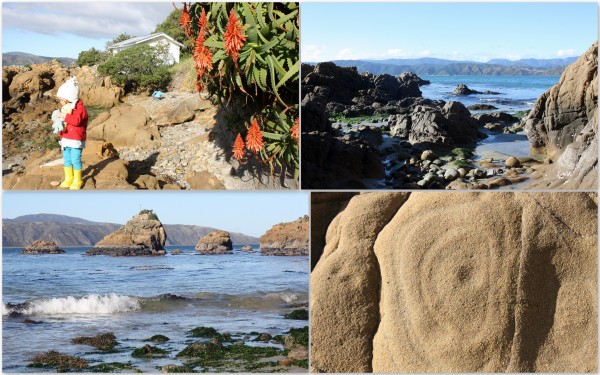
x=516 y=93
x=72 y=295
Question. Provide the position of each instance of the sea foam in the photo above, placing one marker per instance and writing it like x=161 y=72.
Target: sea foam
x=90 y=304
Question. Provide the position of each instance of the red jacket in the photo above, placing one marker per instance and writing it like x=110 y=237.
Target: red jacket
x=76 y=123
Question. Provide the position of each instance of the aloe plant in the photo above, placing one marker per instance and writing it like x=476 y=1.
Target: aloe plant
x=247 y=55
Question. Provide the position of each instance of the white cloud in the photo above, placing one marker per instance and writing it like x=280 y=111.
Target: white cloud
x=565 y=52
x=395 y=52
x=345 y=53
x=313 y=53
x=87 y=20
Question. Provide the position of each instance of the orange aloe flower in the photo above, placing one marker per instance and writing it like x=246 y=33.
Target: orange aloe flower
x=238 y=148
x=202 y=56
x=295 y=129
x=254 y=138
x=202 y=22
x=233 y=37
x=186 y=21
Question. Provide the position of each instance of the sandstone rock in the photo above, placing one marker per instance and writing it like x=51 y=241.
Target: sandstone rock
x=183 y=111
x=508 y=296
x=286 y=238
x=324 y=207
x=247 y=248
x=127 y=126
x=217 y=242
x=428 y=155
x=563 y=123
x=512 y=162
x=144 y=234
x=203 y=181
x=43 y=247
x=106 y=150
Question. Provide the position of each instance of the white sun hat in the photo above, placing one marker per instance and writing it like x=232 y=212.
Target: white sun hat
x=69 y=90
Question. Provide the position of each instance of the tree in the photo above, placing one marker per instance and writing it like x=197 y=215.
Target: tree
x=139 y=67
x=121 y=38
x=91 y=57
x=170 y=26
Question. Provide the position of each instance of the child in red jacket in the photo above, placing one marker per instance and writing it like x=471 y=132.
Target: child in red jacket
x=72 y=138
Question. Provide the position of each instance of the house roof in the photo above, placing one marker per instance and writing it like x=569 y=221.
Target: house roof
x=142 y=39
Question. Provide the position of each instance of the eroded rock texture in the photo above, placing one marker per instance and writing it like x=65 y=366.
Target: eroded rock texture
x=438 y=282
x=564 y=123
x=286 y=238
x=216 y=242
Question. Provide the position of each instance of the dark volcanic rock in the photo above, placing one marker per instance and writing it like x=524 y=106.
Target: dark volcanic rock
x=462 y=89
x=481 y=107
x=426 y=122
x=143 y=235
x=286 y=238
x=496 y=120
x=329 y=161
x=43 y=247
x=217 y=242
x=563 y=123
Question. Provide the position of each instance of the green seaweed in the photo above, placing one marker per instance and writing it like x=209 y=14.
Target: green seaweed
x=300 y=363
x=204 y=351
x=105 y=341
x=462 y=152
x=459 y=163
x=148 y=351
x=176 y=369
x=158 y=338
x=298 y=336
x=300 y=314
x=112 y=367
x=280 y=339
x=217 y=357
x=263 y=337
x=210 y=332
x=62 y=362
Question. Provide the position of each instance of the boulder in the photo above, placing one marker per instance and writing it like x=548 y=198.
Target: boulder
x=143 y=235
x=501 y=118
x=184 y=111
x=127 y=126
x=286 y=238
x=409 y=289
x=563 y=123
x=427 y=122
x=481 y=107
x=217 y=242
x=43 y=247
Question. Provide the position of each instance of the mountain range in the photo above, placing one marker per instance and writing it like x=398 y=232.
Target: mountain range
x=428 y=66
x=23 y=58
x=72 y=231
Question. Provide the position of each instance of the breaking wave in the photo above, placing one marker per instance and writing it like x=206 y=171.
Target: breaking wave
x=90 y=304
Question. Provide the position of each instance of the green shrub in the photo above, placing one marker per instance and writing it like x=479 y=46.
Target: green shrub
x=141 y=67
x=91 y=57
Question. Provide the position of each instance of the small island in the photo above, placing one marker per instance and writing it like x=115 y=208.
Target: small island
x=43 y=247
x=215 y=243
x=286 y=238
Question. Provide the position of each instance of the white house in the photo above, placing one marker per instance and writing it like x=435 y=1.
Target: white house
x=154 y=40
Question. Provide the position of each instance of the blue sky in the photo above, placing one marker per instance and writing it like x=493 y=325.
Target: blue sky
x=251 y=213
x=456 y=31
x=64 y=29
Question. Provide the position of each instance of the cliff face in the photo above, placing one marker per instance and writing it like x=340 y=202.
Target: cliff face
x=217 y=242
x=461 y=288
x=564 y=123
x=144 y=234
x=286 y=238
x=43 y=247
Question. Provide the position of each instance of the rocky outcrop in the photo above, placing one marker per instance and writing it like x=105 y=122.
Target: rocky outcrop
x=409 y=289
x=496 y=121
x=217 y=242
x=563 y=123
x=434 y=122
x=463 y=89
x=43 y=247
x=481 y=107
x=286 y=238
x=144 y=234
x=125 y=126
x=345 y=91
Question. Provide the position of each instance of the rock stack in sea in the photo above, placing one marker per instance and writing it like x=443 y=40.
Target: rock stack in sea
x=286 y=238
x=143 y=235
x=43 y=247
x=217 y=242
x=461 y=288
x=563 y=124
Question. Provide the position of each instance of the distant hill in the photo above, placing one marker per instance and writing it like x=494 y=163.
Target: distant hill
x=22 y=58
x=72 y=231
x=441 y=67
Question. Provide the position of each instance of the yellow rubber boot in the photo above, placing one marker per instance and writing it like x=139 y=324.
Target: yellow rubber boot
x=77 y=181
x=68 y=178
